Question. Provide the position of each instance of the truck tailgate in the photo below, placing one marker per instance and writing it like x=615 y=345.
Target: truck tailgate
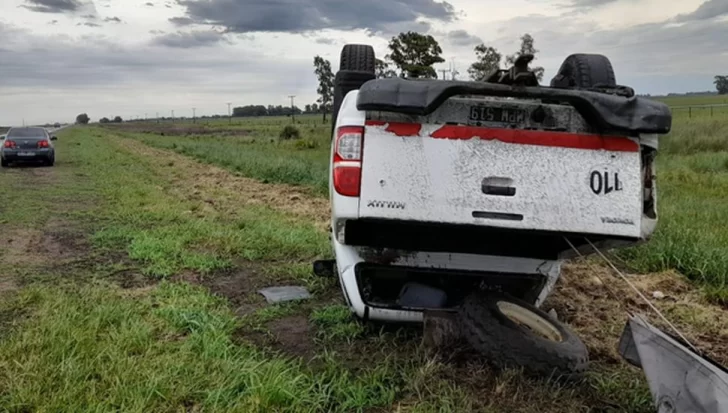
x=499 y=177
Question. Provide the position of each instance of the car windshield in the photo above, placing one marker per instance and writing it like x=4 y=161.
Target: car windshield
x=28 y=133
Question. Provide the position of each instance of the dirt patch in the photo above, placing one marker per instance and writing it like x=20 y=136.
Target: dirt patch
x=19 y=247
x=595 y=303
x=220 y=190
x=240 y=287
x=293 y=335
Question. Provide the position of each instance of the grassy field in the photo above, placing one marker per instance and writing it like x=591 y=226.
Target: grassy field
x=132 y=270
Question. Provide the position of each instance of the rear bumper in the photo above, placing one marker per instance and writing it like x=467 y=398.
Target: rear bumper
x=37 y=155
x=468 y=239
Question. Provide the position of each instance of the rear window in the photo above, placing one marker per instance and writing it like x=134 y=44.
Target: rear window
x=29 y=133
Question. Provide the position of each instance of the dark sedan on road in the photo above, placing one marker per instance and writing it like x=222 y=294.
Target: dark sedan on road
x=27 y=144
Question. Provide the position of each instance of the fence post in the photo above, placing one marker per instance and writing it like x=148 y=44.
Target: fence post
x=690 y=111
x=711 y=111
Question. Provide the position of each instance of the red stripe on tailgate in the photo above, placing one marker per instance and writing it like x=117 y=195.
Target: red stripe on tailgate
x=517 y=136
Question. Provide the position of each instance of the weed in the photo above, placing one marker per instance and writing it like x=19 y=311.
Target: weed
x=289 y=132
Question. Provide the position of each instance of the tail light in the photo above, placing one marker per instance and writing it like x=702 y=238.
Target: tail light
x=9 y=144
x=43 y=144
x=347 y=160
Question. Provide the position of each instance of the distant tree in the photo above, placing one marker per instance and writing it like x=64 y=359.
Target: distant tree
x=526 y=48
x=414 y=54
x=250 y=110
x=322 y=69
x=721 y=84
x=307 y=108
x=314 y=108
x=117 y=119
x=104 y=120
x=381 y=69
x=488 y=61
x=83 y=119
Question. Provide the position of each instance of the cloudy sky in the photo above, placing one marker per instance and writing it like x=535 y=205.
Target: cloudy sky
x=135 y=57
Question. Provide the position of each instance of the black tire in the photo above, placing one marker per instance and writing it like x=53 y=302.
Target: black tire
x=585 y=71
x=4 y=163
x=356 y=66
x=357 y=58
x=50 y=161
x=510 y=345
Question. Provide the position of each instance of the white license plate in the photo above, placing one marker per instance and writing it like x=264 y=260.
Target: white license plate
x=26 y=153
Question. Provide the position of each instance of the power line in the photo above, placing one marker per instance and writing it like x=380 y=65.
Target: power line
x=293 y=111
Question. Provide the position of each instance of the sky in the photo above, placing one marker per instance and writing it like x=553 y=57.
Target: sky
x=137 y=58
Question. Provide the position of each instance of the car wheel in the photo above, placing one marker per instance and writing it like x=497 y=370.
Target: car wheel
x=4 y=163
x=585 y=71
x=512 y=333
x=356 y=67
x=50 y=161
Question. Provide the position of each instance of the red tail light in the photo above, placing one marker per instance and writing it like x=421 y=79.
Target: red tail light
x=9 y=144
x=43 y=144
x=347 y=160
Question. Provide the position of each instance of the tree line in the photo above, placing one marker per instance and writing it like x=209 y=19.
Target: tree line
x=270 y=110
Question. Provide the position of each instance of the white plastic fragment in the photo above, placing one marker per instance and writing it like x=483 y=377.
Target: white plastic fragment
x=283 y=294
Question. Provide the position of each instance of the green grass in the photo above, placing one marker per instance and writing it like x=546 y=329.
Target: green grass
x=163 y=232
x=692 y=171
x=337 y=323
x=96 y=349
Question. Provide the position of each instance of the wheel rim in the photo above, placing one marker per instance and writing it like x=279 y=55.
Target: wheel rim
x=530 y=320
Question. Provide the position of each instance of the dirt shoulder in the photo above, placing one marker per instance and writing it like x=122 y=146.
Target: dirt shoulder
x=225 y=192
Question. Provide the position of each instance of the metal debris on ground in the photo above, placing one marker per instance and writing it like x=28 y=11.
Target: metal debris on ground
x=283 y=294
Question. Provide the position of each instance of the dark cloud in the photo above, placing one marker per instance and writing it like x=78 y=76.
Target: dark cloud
x=53 y=6
x=149 y=3
x=189 y=40
x=297 y=16
x=181 y=21
x=156 y=31
x=324 y=40
x=463 y=38
x=53 y=22
x=113 y=19
x=707 y=10
x=89 y=16
x=589 y=4
x=88 y=24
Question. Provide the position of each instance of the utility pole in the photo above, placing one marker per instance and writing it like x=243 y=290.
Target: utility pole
x=145 y=117
x=230 y=115
x=443 y=71
x=157 y=117
x=193 y=115
x=453 y=68
x=172 y=115
x=293 y=112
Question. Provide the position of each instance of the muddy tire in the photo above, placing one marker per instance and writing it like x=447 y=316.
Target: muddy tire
x=514 y=334
x=585 y=71
x=356 y=67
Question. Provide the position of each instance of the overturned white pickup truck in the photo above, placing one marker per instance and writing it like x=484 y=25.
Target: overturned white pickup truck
x=466 y=196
